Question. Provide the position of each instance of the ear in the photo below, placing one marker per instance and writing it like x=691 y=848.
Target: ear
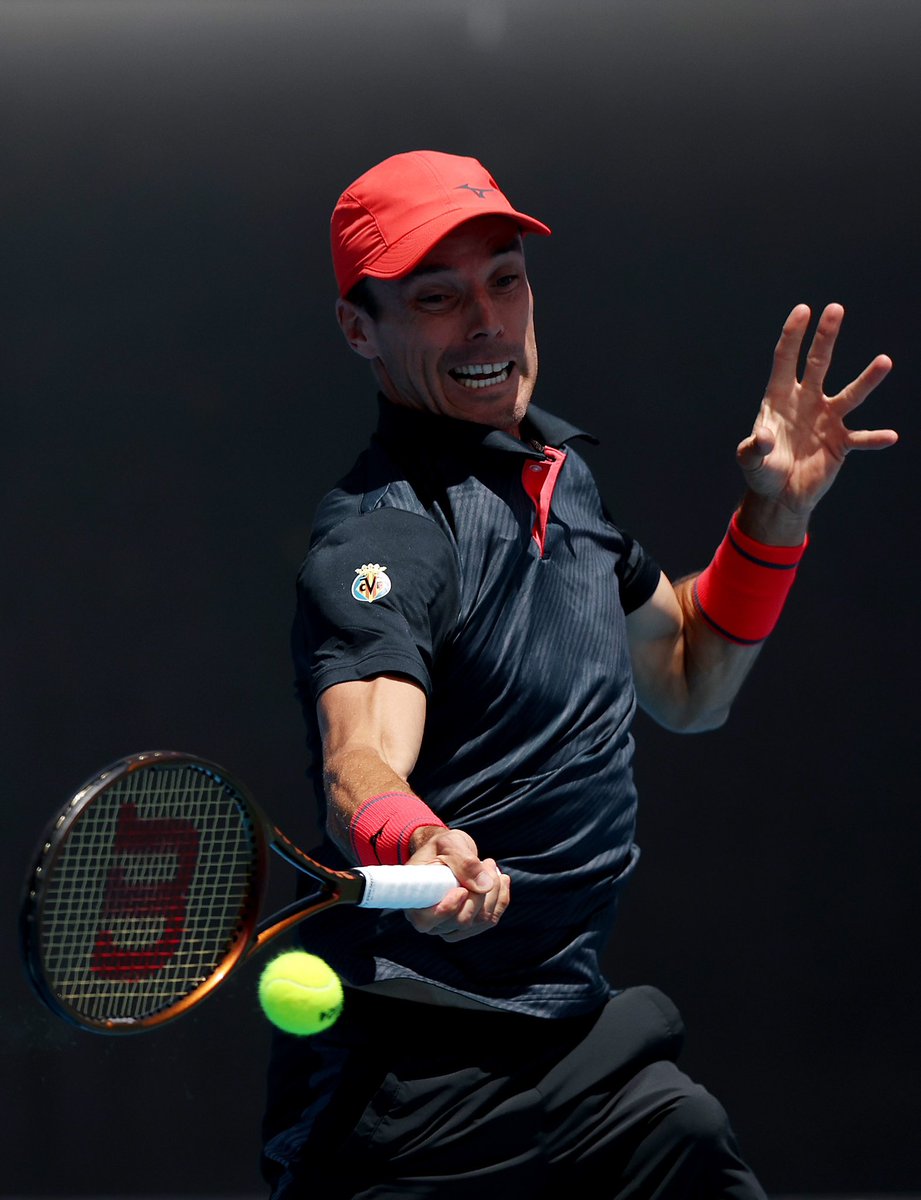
x=358 y=328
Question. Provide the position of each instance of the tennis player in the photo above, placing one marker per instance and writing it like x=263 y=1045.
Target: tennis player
x=473 y=635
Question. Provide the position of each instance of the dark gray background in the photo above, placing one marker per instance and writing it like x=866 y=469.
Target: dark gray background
x=176 y=398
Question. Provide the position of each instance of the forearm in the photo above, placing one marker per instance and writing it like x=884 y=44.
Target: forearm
x=372 y=732
x=351 y=777
x=711 y=669
x=694 y=643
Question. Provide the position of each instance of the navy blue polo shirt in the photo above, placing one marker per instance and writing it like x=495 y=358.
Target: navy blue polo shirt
x=487 y=570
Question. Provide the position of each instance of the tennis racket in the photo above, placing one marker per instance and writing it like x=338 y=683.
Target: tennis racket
x=147 y=889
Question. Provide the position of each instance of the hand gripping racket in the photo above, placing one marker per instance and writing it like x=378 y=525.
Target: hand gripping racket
x=148 y=886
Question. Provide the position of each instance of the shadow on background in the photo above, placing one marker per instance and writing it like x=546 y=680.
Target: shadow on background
x=176 y=399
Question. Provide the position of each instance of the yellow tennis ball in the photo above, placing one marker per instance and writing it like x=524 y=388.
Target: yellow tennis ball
x=300 y=993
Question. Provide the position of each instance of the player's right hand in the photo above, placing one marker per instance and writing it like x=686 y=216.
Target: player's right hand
x=479 y=901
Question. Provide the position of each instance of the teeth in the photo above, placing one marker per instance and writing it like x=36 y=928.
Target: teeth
x=482 y=375
x=482 y=369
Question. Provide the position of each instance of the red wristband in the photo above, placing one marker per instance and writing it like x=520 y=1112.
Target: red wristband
x=742 y=592
x=381 y=829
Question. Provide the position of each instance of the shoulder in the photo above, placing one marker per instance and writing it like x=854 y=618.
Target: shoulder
x=401 y=530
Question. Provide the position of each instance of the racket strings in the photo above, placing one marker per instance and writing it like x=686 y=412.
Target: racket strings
x=149 y=893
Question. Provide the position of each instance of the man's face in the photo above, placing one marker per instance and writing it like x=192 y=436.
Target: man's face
x=456 y=336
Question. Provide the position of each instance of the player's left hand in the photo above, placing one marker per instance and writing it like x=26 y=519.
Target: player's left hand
x=799 y=440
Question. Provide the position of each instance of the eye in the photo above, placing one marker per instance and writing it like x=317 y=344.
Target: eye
x=436 y=304
x=505 y=282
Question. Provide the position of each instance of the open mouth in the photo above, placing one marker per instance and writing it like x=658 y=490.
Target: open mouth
x=482 y=375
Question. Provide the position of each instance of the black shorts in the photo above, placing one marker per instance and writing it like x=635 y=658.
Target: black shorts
x=403 y=1099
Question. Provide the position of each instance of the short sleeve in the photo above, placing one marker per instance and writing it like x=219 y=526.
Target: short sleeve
x=377 y=594
x=637 y=573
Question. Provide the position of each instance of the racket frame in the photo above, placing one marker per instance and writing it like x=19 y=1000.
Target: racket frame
x=337 y=887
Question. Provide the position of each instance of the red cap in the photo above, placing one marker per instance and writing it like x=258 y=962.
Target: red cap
x=392 y=216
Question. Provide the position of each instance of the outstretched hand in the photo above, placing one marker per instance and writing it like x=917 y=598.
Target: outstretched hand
x=799 y=439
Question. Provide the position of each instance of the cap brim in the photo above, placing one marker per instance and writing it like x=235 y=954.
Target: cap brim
x=399 y=259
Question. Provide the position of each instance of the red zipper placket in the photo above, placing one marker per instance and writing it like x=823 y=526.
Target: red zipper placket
x=539 y=480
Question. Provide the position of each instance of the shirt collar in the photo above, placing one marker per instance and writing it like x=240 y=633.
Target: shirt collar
x=403 y=424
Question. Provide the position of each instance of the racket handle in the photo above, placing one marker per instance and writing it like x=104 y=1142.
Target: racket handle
x=405 y=887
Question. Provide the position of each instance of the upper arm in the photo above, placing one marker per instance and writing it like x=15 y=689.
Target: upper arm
x=686 y=676
x=383 y=716
x=346 y=630
x=657 y=647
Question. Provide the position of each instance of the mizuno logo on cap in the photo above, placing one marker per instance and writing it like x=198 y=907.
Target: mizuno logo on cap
x=481 y=192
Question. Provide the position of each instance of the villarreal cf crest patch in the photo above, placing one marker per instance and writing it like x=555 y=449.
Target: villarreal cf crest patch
x=371 y=582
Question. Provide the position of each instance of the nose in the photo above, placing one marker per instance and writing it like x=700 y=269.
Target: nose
x=483 y=318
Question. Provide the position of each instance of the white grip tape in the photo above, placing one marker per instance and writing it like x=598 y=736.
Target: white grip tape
x=405 y=887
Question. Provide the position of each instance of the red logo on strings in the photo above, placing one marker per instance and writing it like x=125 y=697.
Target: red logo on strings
x=136 y=893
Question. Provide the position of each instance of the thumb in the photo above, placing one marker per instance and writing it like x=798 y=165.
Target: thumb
x=753 y=450
x=476 y=875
